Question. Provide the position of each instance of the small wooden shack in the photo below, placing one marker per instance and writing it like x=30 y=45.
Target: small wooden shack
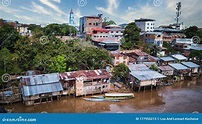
x=194 y=68
x=40 y=88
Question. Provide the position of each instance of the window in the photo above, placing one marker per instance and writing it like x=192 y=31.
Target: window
x=147 y=23
x=117 y=31
x=112 y=32
x=147 y=27
x=90 y=23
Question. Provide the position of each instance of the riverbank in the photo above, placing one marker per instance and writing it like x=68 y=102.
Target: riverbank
x=182 y=97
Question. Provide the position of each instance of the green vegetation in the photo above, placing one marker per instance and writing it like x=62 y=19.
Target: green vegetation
x=131 y=36
x=196 y=56
x=193 y=31
x=120 y=72
x=19 y=53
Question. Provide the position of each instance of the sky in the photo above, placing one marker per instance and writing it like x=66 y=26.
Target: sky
x=121 y=11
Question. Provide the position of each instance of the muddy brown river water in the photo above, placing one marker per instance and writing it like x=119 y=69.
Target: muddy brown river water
x=182 y=97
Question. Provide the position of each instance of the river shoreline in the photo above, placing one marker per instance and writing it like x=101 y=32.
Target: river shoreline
x=181 y=97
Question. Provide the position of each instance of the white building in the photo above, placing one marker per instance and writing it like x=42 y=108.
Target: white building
x=115 y=31
x=146 y=25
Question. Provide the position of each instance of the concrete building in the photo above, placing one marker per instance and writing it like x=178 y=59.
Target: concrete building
x=118 y=58
x=169 y=34
x=98 y=33
x=89 y=22
x=85 y=82
x=154 y=38
x=146 y=25
x=110 y=44
x=115 y=31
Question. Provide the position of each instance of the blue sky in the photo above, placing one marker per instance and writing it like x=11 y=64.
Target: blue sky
x=121 y=11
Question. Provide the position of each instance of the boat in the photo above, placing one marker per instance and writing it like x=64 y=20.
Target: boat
x=118 y=96
x=101 y=100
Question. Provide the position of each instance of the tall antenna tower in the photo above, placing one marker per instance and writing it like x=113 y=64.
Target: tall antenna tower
x=178 y=14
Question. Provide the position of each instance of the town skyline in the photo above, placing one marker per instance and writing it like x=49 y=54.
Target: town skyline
x=57 y=11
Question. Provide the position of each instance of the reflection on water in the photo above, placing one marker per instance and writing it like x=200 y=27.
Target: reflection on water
x=181 y=97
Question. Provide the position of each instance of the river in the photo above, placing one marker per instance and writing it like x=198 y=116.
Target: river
x=181 y=97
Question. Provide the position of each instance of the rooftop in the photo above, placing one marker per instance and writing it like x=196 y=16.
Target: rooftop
x=165 y=68
x=138 y=67
x=190 y=64
x=88 y=74
x=179 y=66
x=146 y=75
x=179 y=57
x=38 y=84
x=167 y=59
x=143 y=20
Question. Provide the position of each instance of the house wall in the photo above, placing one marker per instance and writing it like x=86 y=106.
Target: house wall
x=169 y=72
x=79 y=87
x=195 y=70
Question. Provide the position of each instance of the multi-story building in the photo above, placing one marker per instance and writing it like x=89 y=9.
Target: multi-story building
x=152 y=38
x=89 y=22
x=170 y=34
x=98 y=33
x=146 y=25
x=115 y=31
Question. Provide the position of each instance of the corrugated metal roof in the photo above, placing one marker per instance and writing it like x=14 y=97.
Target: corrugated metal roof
x=179 y=57
x=89 y=74
x=40 y=89
x=190 y=64
x=179 y=66
x=138 y=67
x=165 y=68
x=40 y=79
x=146 y=75
x=38 y=84
x=167 y=59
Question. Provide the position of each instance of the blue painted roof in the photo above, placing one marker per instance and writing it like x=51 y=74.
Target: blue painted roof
x=146 y=75
x=179 y=66
x=167 y=59
x=190 y=64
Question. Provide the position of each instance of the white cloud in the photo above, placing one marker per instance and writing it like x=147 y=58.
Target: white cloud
x=58 y=1
x=163 y=14
x=37 y=9
x=112 y=6
x=54 y=7
x=23 y=17
x=8 y=10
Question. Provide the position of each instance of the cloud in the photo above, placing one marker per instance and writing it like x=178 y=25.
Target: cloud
x=8 y=10
x=112 y=6
x=54 y=7
x=23 y=17
x=37 y=9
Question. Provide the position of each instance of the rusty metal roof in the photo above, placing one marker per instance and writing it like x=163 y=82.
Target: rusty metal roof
x=87 y=74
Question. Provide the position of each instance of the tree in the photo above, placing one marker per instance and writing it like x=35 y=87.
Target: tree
x=154 y=67
x=58 y=63
x=121 y=72
x=110 y=22
x=132 y=33
x=193 y=31
x=8 y=38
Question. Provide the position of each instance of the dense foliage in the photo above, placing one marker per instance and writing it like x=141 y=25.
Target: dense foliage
x=20 y=53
